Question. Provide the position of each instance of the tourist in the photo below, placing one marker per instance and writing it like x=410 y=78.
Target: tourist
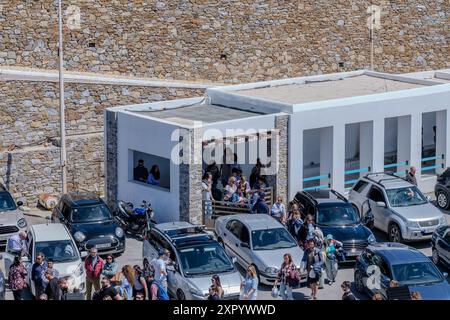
x=261 y=206
x=159 y=266
x=312 y=262
x=215 y=173
x=140 y=284
x=348 y=295
x=216 y=285
x=279 y=210
x=207 y=194
x=244 y=183
x=230 y=189
x=411 y=176
x=332 y=252
x=154 y=176
x=50 y=265
x=53 y=291
x=17 y=278
x=140 y=173
x=127 y=282
x=107 y=290
x=93 y=266
x=17 y=243
x=64 y=287
x=110 y=267
x=288 y=277
x=294 y=226
x=37 y=274
x=249 y=286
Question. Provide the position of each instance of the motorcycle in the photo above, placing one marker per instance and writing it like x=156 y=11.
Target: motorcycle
x=135 y=220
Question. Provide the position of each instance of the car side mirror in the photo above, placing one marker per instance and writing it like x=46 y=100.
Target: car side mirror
x=234 y=260
x=83 y=254
x=445 y=274
x=245 y=245
x=19 y=203
x=381 y=204
x=428 y=198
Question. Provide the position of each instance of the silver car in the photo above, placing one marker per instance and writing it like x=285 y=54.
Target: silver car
x=2 y=282
x=399 y=208
x=195 y=258
x=259 y=240
x=12 y=220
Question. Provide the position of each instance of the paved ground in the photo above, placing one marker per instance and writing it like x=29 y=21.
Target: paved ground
x=133 y=255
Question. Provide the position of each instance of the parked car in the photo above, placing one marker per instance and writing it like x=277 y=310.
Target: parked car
x=90 y=222
x=2 y=283
x=335 y=215
x=399 y=208
x=55 y=241
x=195 y=256
x=441 y=246
x=442 y=190
x=406 y=265
x=12 y=220
x=257 y=239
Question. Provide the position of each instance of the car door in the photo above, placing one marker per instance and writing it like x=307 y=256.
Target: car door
x=382 y=274
x=233 y=241
x=358 y=194
x=175 y=279
x=381 y=214
x=245 y=244
x=444 y=246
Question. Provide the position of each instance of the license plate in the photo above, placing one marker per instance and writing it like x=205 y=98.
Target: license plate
x=103 y=245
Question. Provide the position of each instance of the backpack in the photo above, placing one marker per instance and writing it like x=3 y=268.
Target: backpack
x=317 y=266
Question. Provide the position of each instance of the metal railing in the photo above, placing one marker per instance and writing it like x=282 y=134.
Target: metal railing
x=436 y=165
x=396 y=165
x=315 y=178
x=353 y=171
x=225 y=208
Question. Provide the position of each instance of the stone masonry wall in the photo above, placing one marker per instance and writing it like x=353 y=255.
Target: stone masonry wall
x=29 y=128
x=226 y=40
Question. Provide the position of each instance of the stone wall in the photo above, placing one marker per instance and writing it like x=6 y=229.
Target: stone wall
x=225 y=40
x=29 y=131
x=282 y=124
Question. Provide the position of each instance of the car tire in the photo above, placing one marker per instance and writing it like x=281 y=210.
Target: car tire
x=443 y=200
x=359 y=285
x=180 y=295
x=394 y=233
x=435 y=257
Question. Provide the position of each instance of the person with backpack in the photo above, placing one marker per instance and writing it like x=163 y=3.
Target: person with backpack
x=288 y=277
x=156 y=291
x=140 y=284
x=333 y=252
x=312 y=262
x=294 y=226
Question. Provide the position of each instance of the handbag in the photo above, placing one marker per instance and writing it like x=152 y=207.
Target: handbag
x=294 y=278
x=274 y=292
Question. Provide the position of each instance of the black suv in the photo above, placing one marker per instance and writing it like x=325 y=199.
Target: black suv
x=442 y=190
x=90 y=222
x=335 y=215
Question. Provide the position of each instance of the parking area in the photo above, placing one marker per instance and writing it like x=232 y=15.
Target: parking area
x=133 y=255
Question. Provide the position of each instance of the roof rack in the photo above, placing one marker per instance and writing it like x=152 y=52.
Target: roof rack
x=392 y=177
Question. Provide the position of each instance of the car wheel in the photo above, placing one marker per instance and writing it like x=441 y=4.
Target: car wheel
x=180 y=295
x=442 y=200
x=435 y=256
x=395 y=235
x=359 y=284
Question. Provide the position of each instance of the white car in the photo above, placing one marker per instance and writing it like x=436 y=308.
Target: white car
x=55 y=241
x=259 y=240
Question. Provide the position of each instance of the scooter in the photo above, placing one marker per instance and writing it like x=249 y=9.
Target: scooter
x=135 y=220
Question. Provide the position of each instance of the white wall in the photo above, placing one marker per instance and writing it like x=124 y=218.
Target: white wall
x=149 y=136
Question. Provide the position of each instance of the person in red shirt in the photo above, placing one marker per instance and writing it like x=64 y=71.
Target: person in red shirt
x=93 y=266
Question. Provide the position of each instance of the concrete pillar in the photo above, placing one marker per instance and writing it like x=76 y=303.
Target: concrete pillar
x=326 y=153
x=409 y=142
x=378 y=145
x=443 y=139
x=403 y=140
x=416 y=143
x=295 y=160
x=338 y=158
x=282 y=175
x=110 y=145
x=366 y=143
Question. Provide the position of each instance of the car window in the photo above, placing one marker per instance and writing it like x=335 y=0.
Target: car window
x=376 y=195
x=360 y=186
x=244 y=235
x=6 y=202
x=384 y=268
x=235 y=228
x=155 y=239
x=90 y=213
x=30 y=248
x=65 y=211
x=59 y=251
x=402 y=197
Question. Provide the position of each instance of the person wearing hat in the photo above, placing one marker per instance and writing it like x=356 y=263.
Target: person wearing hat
x=159 y=265
x=93 y=266
x=331 y=262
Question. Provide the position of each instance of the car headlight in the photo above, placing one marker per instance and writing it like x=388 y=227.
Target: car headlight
x=22 y=223
x=271 y=270
x=119 y=232
x=79 y=236
x=371 y=239
x=442 y=220
x=195 y=291
x=411 y=224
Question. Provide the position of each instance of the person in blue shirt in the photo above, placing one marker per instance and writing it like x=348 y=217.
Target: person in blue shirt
x=278 y=210
x=250 y=284
x=37 y=274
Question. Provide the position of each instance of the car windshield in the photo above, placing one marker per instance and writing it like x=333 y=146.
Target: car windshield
x=416 y=273
x=6 y=202
x=337 y=215
x=403 y=197
x=204 y=259
x=91 y=213
x=272 y=239
x=59 y=251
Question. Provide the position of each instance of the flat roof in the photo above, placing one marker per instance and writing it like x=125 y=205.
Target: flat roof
x=359 y=85
x=206 y=113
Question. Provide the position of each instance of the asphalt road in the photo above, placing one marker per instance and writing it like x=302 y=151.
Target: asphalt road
x=133 y=255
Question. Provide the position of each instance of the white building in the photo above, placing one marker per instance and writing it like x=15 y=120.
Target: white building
x=332 y=129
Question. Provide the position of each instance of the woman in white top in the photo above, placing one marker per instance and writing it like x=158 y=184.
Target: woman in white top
x=230 y=189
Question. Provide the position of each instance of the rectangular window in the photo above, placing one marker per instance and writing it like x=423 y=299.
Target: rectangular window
x=149 y=169
x=360 y=186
